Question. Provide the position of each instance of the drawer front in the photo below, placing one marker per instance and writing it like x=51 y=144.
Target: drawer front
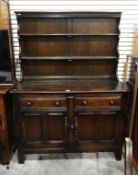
x=42 y=102
x=99 y=101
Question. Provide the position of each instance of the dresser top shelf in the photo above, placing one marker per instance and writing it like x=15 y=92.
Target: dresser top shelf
x=69 y=52
x=58 y=14
x=70 y=86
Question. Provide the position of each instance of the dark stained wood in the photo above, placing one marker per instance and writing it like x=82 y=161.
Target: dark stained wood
x=85 y=86
x=42 y=101
x=94 y=45
x=69 y=68
x=95 y=126
x=68 y=35
x=70 y=122
x=54 y=46
x=46 y=26
x=95 y=25
x=68 y=58
x=21 y=15
x=69 y=45
x=7 y=139
x=69 y=99
x=95 y=101
x=135 y=135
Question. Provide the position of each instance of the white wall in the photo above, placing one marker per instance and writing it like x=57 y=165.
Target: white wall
x=128 y=22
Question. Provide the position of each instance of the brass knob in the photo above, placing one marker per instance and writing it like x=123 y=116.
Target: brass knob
x=57 y=103
x=84 y=102
x=112 y=102
x=29 y=103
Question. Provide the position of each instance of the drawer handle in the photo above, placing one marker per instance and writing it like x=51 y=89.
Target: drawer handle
x=29 y=103
x=57 y=103
x=84 y=102
x=112 y=102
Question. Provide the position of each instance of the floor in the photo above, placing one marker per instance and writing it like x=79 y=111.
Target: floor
x=66 y=164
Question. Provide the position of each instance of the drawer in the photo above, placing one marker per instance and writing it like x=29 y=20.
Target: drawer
x=99 y=101
x=42 y=102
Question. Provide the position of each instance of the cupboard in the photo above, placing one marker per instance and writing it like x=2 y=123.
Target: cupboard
x=69 y=98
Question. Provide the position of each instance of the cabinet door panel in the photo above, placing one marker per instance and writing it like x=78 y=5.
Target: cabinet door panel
x=96 y=126
x=56 y=126
x=85 y=126
x=32 y=127
x=105 y=126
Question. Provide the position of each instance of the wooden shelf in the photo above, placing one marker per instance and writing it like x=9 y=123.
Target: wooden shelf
x=69 y=58
x=69 y=35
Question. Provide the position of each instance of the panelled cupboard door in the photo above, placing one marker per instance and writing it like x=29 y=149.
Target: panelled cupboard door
x=92 y=127
x=44 y=128
x=32 y=126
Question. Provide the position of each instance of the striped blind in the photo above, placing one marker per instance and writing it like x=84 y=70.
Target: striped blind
x=128 y=21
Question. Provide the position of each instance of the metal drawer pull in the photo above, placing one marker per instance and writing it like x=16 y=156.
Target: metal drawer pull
x=112 y=102
x=57 y=103
x=84 y=102
x=29 y=103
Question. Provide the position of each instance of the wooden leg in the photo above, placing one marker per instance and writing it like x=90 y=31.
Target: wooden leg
x=118 y=154
x=20 y=155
